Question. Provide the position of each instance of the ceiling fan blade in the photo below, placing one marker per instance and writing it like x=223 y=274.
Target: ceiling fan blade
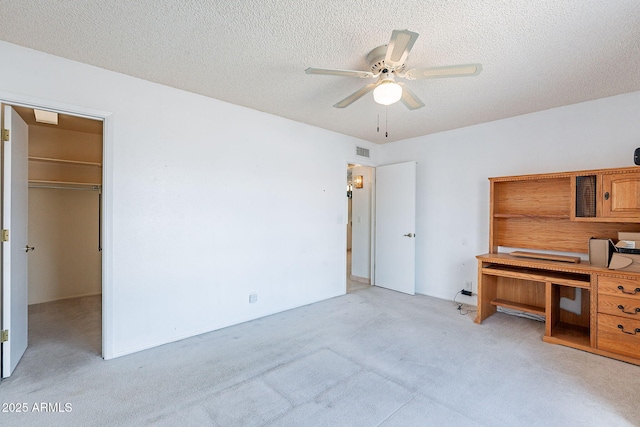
x=409 y=99
x=344 y=73
x=462 y=70
x=399 y=46
x=356 y=95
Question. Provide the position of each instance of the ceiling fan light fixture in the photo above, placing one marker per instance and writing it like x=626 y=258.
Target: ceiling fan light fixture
x=387 y=92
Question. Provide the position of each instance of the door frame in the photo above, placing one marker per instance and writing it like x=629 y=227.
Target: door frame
x=374 y=167
x=107 y=196
x=372 y=226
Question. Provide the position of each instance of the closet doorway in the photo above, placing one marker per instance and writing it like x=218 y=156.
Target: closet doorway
x=65 y=230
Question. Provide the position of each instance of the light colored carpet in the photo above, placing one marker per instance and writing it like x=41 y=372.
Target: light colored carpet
x=370 y=358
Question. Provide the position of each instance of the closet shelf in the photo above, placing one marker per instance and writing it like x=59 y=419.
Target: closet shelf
x=44 y=183
x=64 y=161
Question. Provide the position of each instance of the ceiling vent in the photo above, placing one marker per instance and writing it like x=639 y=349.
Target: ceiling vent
x=362 y=152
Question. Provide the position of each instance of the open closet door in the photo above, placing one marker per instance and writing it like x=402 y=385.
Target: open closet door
x=395 y=257
x=14 y=251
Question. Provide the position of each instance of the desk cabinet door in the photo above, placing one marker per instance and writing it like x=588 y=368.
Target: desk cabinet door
x=621 y=195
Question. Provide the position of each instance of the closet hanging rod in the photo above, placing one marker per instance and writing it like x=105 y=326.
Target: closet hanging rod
x=67 y=187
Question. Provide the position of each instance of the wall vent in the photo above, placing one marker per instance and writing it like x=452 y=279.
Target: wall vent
x=362 y=152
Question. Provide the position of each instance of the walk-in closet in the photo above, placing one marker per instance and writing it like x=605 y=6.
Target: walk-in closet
x=64 y=228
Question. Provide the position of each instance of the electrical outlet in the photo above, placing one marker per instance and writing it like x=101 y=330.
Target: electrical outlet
x=253 y=298
x=468 y=285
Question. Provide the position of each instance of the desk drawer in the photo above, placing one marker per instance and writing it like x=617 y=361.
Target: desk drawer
x=619 y=335
x=619 y=306
x=618 y=286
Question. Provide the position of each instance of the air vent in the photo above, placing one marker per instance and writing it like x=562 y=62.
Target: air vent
x=362 y=152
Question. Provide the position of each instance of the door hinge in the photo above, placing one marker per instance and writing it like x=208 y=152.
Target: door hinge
x=4 y=335
x=5 y=134
x=4 y=236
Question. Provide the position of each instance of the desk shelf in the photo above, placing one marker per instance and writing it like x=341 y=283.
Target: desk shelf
x=571 y=336
x=518 y=306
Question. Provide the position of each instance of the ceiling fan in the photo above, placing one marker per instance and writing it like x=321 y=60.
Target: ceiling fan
x=387 y=62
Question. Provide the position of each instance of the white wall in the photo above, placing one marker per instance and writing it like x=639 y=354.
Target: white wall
x=453 y=167
x=63 y=227
x=361 y=230
x=206 y=202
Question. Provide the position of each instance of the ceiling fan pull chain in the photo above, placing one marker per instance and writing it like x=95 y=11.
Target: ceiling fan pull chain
x=386 y=122
x=378 y=127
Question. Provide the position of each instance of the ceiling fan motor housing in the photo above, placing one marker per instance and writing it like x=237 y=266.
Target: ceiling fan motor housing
x=375 y=58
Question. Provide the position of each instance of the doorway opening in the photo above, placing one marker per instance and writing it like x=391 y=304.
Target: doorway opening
x=359 y=226
x=64 y=228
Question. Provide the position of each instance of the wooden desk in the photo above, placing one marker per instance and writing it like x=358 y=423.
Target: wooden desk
x=537 y=287
x=561 y=212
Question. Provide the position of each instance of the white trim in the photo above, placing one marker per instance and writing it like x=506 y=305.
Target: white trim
x=60 y=107
x=345 y=180
x=361 y=162
x=107 y=236
x=372 y=263
x=107 y=197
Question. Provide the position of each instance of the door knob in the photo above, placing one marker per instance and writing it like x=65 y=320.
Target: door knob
x=29 y=248
x=409 y=235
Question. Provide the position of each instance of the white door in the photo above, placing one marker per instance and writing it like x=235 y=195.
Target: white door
x=14 y=254
x=395 y=246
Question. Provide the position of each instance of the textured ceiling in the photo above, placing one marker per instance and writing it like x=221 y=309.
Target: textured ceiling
x=535 y=54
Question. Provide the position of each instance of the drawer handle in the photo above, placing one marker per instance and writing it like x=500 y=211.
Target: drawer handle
x=636 y=290
x=636 y=310
x=630 y=333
